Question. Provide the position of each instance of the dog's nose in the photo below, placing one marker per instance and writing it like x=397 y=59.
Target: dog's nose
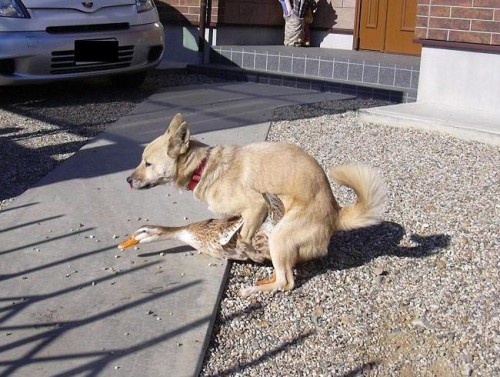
x=129 y=180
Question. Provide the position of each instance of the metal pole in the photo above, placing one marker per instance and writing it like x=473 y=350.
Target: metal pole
x=203 y=19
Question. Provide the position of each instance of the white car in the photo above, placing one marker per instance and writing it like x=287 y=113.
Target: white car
x=46 y=40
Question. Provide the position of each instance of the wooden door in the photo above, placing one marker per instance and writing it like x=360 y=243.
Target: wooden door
x=372 y=24
x=389 y=26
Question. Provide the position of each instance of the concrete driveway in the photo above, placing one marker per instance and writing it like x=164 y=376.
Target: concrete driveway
x=71 y=302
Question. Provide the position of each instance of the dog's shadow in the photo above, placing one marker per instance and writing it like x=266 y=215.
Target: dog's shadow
x=356 y=248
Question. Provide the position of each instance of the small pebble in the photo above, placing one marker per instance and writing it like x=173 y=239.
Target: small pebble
x=380 y=271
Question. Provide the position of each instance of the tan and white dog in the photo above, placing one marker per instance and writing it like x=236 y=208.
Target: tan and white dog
x=232 y=180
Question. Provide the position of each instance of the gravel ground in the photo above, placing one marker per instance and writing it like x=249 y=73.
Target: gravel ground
x=414 y=296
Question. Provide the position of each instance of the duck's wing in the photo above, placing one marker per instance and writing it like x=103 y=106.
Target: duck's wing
x=275 y=208
x=229 y=231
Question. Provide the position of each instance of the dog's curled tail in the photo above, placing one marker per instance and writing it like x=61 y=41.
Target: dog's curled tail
x=371 y=195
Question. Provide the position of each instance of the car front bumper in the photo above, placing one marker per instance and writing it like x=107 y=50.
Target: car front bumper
x=37 y=57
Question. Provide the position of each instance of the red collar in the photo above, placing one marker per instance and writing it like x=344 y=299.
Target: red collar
x=196 y=175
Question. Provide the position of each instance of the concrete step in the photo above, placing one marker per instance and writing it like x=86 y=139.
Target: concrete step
x=465 y=124
x=396 y=76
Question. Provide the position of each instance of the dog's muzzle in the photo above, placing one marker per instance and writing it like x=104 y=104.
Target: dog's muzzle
x=134 y=184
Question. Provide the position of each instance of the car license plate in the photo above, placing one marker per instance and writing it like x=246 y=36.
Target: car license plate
x=101 y=51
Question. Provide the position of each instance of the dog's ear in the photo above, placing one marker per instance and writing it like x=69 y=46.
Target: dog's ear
x=178 y=136
x=175 y=123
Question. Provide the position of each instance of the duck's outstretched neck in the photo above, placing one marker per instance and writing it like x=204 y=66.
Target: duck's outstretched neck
x=168 y=232
x=180 y=233
x=153 y=233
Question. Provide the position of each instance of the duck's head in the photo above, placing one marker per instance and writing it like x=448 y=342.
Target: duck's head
x=145 y=234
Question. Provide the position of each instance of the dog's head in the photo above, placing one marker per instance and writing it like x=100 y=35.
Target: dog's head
x=160 y=157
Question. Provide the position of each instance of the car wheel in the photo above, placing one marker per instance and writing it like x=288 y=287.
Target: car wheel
x=129 y=80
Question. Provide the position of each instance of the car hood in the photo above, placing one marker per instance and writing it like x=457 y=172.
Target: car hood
x=46 y=14
x=82 y=5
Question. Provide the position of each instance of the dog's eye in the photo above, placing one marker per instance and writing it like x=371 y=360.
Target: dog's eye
x=148 y=164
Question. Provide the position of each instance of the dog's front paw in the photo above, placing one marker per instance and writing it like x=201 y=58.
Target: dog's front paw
x=248 y=291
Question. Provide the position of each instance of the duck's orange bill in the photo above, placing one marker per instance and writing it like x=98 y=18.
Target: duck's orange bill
x=131 y=241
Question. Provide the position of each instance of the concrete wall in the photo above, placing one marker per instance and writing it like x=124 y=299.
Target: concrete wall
x=242 y=35
x=181 y=44
x=460 y=79
x=332 y=40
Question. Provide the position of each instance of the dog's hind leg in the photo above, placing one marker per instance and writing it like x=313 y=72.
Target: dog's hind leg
x=284 y=256
x=282 y=280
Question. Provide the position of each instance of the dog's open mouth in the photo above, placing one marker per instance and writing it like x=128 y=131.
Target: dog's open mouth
x=131 y=241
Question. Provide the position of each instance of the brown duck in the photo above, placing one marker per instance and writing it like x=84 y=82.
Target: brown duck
x=215 y=237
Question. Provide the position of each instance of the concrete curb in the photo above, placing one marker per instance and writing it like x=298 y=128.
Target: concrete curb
x=463 y=124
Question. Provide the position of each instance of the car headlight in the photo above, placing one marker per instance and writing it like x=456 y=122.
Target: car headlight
x=13 y=8
x=143 y=5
